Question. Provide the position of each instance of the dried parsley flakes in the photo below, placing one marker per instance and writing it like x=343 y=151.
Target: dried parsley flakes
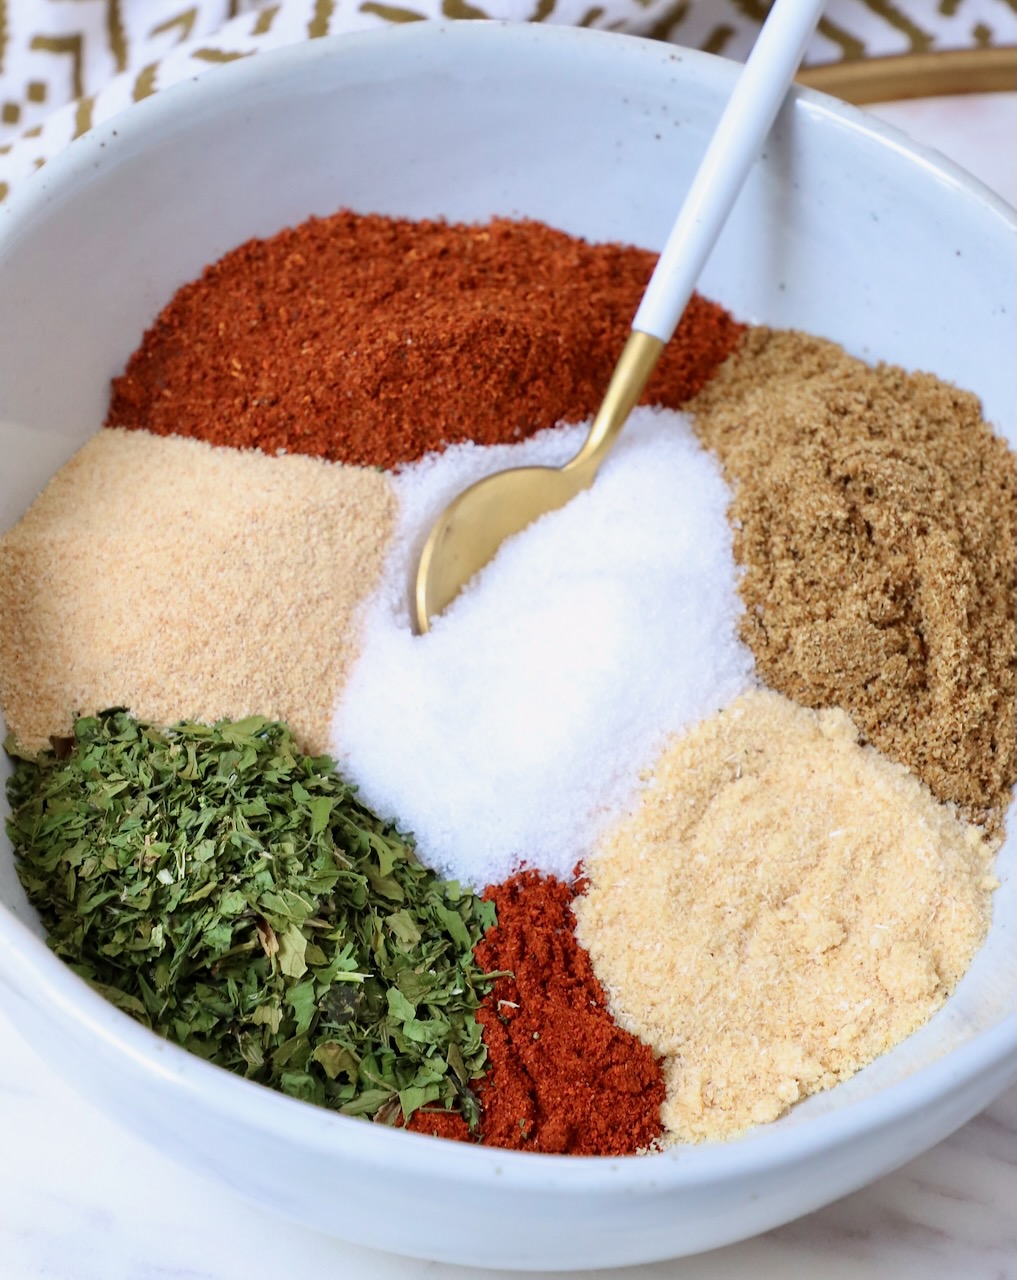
x=235 y=896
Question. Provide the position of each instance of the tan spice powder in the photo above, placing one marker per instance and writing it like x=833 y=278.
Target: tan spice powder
x=784 y=905
x=185 y=581
x=876 y=518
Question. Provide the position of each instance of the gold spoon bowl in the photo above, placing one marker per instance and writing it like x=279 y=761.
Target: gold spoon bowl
x=473 y=526
x=470 y=530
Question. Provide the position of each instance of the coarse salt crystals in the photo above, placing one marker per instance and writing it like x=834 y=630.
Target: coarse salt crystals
x=517 y=728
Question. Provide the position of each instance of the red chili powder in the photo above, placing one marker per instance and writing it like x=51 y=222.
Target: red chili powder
x=372 y=340
x=442 y=1124
x=563 y=1077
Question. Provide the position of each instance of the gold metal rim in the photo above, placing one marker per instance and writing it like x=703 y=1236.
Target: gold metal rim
x=917 y=75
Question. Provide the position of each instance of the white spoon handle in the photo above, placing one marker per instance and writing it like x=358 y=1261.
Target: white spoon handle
x=737 y=141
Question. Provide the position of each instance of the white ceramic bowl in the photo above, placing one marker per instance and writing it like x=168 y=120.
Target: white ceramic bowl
x=845 y=230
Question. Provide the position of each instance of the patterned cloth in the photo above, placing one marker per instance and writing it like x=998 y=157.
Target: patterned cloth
x=68 y=64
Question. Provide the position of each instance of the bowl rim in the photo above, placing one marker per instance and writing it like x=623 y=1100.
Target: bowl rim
x=68 y=999
x=84 y=155
x=27 y=965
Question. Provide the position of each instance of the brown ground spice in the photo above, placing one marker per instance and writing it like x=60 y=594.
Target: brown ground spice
x=373 y=340
x=563 y=1077
x=876 y=517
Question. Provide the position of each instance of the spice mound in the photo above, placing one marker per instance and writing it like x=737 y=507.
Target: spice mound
x=876 y=517
x=562 y=1076
x=374 y=340
x=541 y=693
x=783 y=906
x=235 y=896
x=186 y=582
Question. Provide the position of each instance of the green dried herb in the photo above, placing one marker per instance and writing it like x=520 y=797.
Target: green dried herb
x=235 y=896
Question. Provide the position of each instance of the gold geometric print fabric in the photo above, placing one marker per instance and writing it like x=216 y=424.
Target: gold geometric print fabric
x=853 y=29
x=68 y=64
x=53 y=51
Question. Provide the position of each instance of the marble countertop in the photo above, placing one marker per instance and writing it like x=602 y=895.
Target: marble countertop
x=82 y=1199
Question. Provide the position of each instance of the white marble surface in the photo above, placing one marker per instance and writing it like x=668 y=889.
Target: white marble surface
x=81 y=1199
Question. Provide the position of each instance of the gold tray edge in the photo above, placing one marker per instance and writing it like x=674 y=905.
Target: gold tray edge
x=917 y=75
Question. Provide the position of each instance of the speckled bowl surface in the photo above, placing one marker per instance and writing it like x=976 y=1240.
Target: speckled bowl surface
x=845 y=229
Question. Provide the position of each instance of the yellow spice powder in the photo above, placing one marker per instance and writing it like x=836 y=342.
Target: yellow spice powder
x=185 y=581
x=783 y=906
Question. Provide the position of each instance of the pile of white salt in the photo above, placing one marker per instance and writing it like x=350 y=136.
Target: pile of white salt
x=517 y=728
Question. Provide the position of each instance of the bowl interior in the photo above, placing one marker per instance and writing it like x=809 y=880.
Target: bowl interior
x=843 y=230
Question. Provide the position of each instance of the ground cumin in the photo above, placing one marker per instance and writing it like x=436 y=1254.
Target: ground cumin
x=876 y=517
x=783 y=906
x=563 y=1077
x=373 y=340
x=187 y=582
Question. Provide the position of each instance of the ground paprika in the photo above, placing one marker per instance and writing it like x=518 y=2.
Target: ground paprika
x=373 y=340
x=563 y=1078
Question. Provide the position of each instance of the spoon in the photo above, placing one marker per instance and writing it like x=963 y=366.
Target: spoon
x=469 y=531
